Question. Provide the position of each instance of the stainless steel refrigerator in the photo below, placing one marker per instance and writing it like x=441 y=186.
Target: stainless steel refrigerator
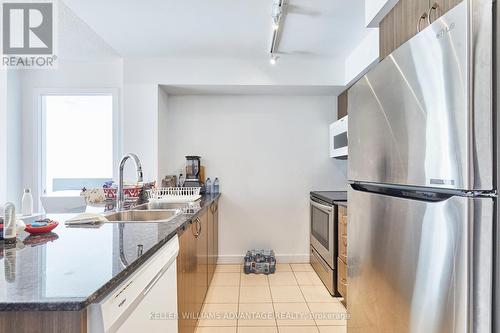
x=422 y=233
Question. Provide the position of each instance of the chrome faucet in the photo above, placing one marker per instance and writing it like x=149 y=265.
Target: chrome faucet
x=120 y=197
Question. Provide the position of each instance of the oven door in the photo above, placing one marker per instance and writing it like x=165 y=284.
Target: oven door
x=322 y=232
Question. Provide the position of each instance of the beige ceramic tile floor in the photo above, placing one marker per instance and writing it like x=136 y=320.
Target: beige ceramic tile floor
x=293 y=300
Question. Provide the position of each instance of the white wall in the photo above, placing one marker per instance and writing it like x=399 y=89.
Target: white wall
x=70 y=75
x=85 y=62
x=375 y=11
x=234 y=71
x=14 y=138
x=163 y=142
x=140 y=127
x=3 y=136
x=268 y=152
x=363 y=57
x=10 y=138
x=142 y=76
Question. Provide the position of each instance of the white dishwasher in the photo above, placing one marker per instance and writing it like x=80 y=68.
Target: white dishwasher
x=145 y=302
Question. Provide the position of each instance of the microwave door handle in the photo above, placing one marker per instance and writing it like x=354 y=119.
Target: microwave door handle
x=322 y=207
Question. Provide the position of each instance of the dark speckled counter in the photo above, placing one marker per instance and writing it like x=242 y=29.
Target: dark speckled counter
x=75 y=266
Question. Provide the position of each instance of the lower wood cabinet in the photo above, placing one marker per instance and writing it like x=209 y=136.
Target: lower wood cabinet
x=43 y=321
x=198 y=253
x=342 y=278
x=201 y=243
x=186 y=278
x=342 y=252
x=213 y=239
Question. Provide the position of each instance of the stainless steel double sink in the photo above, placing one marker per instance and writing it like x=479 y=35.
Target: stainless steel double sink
x=148 y=212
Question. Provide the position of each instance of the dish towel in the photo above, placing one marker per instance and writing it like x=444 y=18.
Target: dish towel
x=86 y=218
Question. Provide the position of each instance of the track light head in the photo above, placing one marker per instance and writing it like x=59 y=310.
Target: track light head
x=276 y=14
x=273 y=59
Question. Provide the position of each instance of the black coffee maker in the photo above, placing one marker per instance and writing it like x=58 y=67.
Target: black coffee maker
x=193 y=167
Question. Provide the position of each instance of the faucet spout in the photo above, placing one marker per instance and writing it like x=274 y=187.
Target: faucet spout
x=120 y=197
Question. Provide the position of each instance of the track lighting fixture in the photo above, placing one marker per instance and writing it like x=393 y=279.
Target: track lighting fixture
x=273 y=59
x=277 y=17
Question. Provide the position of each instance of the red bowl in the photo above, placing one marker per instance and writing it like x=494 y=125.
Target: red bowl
x=130 y=192
x=41 y=230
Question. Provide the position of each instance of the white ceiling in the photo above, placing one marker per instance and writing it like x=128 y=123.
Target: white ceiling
x=223 y=28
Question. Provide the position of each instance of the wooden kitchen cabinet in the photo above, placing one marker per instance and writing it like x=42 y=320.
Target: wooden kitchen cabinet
x=442 y=7
x=342 y=105
x=213 y=239
x=201 y=283
x=198 y=252
x=342 y=252
x=215 y=214
x=43 y=321
x=192 y=283
x=186 y=278
x=400 y=24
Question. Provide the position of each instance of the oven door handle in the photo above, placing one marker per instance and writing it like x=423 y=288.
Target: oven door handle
x=329 y=209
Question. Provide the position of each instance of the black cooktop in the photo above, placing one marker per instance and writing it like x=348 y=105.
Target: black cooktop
x=330 y=196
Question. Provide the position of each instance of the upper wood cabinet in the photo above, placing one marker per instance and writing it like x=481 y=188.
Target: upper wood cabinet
x=342 y=105
x=404 y=20
x=443 y=6
x=401 y=24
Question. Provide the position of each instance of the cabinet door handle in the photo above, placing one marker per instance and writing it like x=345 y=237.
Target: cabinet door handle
x=198 y=227
x=420 y=19
x=434 y=7
x=195 y=228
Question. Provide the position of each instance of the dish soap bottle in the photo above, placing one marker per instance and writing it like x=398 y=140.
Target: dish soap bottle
x=9 y=224
x=216 y=186
x=208 y=186
x=27 y=203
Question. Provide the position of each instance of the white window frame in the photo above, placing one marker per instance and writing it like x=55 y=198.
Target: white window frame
x=40 y=121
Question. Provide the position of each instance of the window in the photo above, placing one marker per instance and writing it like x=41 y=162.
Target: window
x=78 y=141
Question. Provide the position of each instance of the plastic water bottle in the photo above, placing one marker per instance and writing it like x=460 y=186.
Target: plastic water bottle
x=27 y=203
x=216 y=185
x=208 y=186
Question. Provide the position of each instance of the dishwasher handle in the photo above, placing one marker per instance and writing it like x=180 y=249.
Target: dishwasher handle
x=157 y=277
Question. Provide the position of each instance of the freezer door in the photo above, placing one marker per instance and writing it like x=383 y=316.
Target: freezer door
x=417 y=266
x=422 y=116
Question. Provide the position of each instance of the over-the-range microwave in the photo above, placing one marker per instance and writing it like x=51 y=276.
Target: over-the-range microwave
x=339 y=138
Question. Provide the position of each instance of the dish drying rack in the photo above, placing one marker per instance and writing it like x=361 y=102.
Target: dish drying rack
x=174 y=194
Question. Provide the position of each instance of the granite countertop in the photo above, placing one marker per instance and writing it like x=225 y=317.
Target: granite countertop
x=331 y=197
x=71 y=267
